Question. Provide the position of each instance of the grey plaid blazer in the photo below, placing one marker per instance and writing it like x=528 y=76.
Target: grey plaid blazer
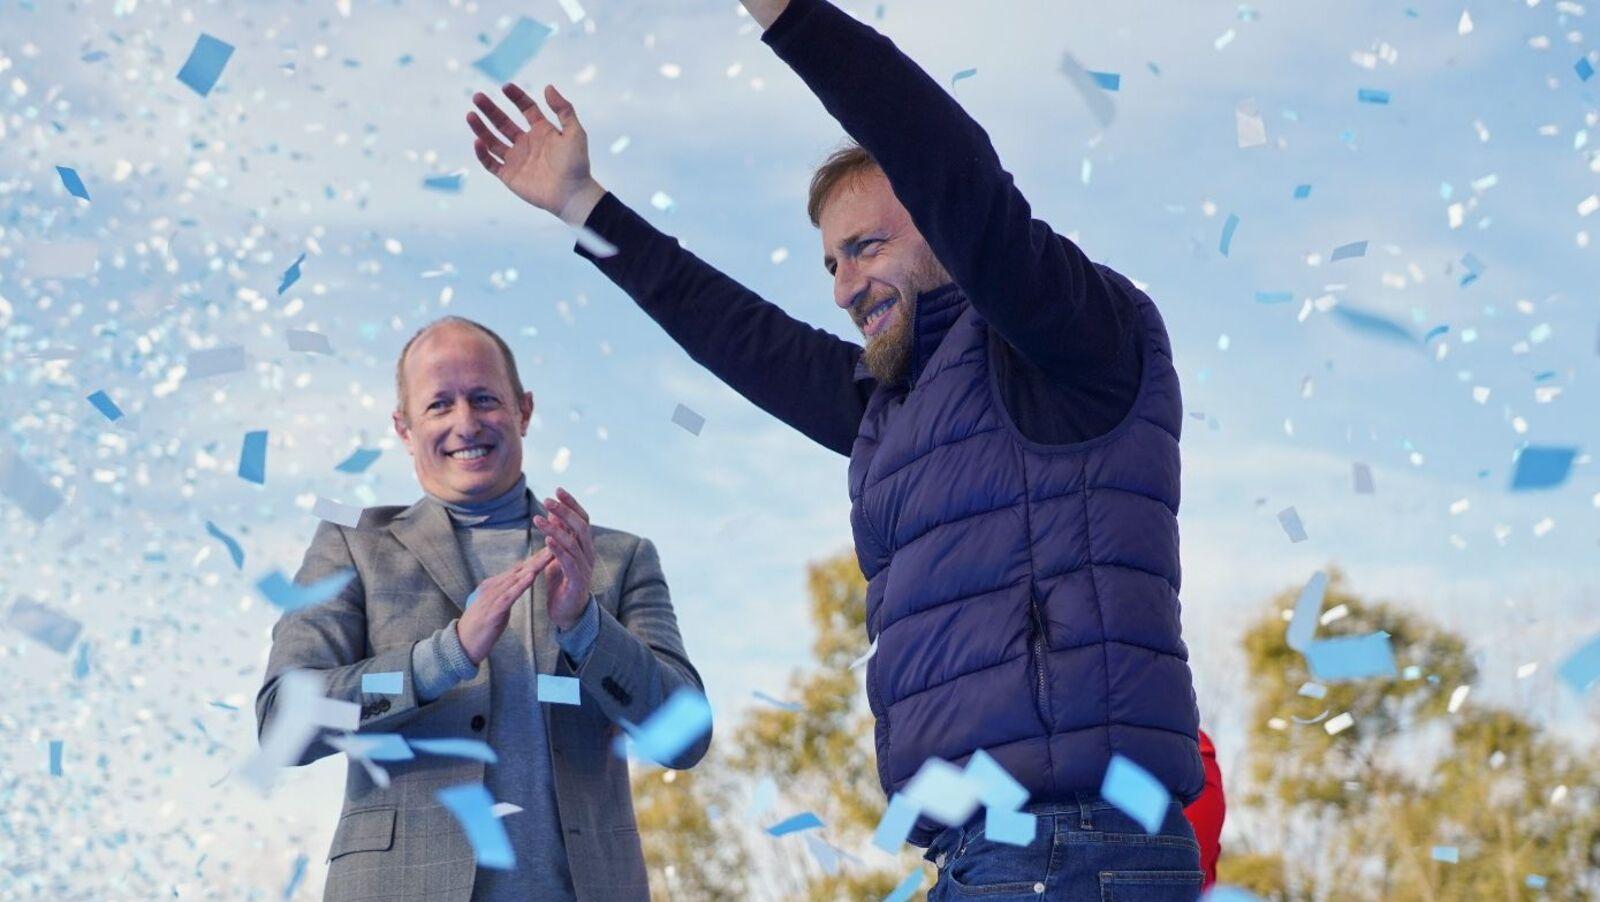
x=411 y=579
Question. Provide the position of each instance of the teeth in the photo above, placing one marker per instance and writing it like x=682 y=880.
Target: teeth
x=877 y=313
x=469 y=453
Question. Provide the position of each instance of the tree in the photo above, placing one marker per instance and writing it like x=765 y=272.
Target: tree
x=1358 y=812
x=691 y=850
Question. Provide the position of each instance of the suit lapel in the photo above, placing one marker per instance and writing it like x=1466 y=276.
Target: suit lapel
x=424 y=529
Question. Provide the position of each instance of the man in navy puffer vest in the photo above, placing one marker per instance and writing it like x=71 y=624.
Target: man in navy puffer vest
x=1012 y=424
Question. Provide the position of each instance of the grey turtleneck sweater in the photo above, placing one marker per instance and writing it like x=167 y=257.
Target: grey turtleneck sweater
x=494 y=535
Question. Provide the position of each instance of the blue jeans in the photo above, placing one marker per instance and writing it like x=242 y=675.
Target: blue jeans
x=1084 y=851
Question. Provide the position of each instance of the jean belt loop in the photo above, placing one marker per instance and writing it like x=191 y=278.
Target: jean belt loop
x=1085 y=814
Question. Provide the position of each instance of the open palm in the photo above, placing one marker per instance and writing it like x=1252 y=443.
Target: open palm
x=544 y=165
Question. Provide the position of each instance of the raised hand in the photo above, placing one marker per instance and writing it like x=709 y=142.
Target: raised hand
x=544 y=165
x=568 y=537
x=486 y=617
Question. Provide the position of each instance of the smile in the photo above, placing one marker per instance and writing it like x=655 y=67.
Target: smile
x=876 y=316
x=469 y=453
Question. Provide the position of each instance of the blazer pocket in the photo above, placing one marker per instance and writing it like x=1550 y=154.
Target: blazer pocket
x=369 y=830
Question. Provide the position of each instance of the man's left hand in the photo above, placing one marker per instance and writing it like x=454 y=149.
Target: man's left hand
x=566 y=534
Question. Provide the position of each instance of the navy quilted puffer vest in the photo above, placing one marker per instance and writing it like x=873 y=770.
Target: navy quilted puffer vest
x=1024 y=597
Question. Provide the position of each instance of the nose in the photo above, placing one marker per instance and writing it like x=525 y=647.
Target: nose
x=464 y=421
x=849 y=285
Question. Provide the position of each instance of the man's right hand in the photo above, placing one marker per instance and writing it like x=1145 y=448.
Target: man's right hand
x=544 y=165
x=486 y=617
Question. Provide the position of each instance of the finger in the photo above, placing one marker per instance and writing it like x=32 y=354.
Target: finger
x=561 y=517
x=572 y=561
x=567 y=499
x=562 y=107
x=496 y=146
x=577 y=524
x=525 y=103
x=491 y=111
x=486 y=158
x=537 y=561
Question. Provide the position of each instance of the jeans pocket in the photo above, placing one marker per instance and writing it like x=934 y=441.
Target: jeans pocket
x=984 y=869
x=1150 y=886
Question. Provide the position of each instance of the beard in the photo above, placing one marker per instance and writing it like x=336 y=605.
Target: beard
x=888 y=354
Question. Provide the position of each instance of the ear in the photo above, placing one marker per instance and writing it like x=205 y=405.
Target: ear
x=402 y=428
x=525 y=411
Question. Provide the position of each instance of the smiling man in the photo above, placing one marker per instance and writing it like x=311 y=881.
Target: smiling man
x=1012 y=423
x=553 y=595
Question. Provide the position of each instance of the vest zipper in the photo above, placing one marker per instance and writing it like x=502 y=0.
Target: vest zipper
x=1040 y=699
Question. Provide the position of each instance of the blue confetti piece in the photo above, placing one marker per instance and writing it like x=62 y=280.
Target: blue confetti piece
x=1535 y=881
x=1447 y=854
x=1584 y=68
x=1346 y=251
x=457 y=748
x=1374 y=325
x=234 y=551
x=253 y=457
x=450 y=184
x=297 y=873
x=805 y=820
x=1227 y=234
x=996 y=787
x=906 y=887
x=1274 y=297
x=895 y=825
x=71 y=181
x=292 y=596
x=1303 y=627
x=385 y=747
x=1541 y=467
x=676 y=725
x=1351 y=658
x=80 y=667
x=1220 y=893
x=1136 y=792
x=43 y=624
x=359 y=460
x=388 y=683
x=777 y=702
x=1110 y=81
x=204 y=65
x=514 y=51
x=1013 y=828
x=57 y=746
x=1581 y=669
x=1474 y=268
x=1301 y=192
x=558 y=690
x=1435 y=332
x=291 y=275
x=1372 y=95
x=103 y=403
x=963 y=75
x=474 y=811
x=1289 y=519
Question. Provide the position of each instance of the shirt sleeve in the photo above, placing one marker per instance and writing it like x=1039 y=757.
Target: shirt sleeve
x=439 y=662
x=1036 y=288
x=579 y=641
x=800 y=374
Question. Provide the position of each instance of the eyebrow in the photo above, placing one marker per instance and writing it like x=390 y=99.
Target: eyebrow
x=444 y=393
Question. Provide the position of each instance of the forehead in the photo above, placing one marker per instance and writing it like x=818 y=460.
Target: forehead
x=860 y=203
x=454 y=356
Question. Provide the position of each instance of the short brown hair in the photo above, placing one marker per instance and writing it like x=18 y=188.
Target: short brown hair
x=844 y=164
x=505 y=354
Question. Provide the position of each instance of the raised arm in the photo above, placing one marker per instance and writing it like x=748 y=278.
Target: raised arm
x=1036 y=288
x=796 y=372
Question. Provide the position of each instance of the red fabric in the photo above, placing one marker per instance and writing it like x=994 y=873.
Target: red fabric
x=1208 y=811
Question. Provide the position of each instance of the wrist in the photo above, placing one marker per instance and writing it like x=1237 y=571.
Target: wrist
x=575 y=211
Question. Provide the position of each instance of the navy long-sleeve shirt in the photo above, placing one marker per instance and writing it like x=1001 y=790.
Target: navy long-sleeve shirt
x=1064 y=338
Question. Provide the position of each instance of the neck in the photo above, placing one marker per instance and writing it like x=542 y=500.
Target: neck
x=507 y=508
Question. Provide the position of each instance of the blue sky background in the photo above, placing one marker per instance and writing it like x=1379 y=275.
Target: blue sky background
x=329 y=116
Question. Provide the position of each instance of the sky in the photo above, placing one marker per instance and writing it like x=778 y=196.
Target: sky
x=1472 y=187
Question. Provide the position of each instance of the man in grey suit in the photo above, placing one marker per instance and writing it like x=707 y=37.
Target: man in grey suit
x=594 y=606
